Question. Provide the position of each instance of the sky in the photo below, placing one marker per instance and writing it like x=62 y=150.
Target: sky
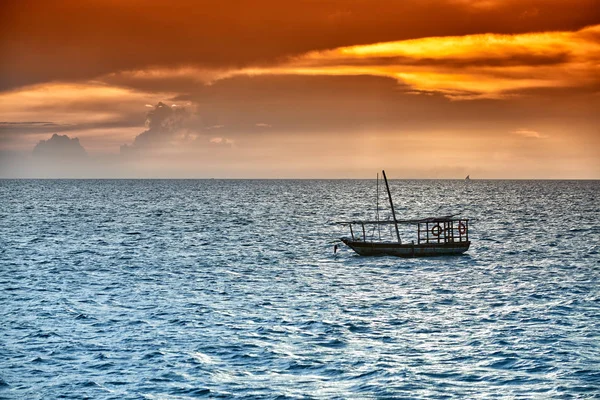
x=494 y=89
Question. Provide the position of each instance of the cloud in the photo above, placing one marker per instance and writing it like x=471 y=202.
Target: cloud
x=480 y=4
x=174 y=129
x=164 y=79
x=59 y=148
x=263 y=125
x=464 y=67
x=73 y=107
x=529 y=133
x=317 y=105
x=35 y=128
x=31 y=127
x=311 y=105
x=116 y=36
x=221 y=141
x=168 y=126
x=100 y=115
x=343 y=126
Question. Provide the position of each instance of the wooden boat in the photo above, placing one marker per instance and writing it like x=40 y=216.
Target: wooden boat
x=436 y=236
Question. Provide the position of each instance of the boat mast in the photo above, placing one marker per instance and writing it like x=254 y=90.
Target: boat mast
x=392 y=205
x=378 y=226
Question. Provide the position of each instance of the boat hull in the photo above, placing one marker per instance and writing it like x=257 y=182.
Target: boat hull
x=407 y=250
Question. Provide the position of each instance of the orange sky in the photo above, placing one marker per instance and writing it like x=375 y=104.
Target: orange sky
x=252 y=89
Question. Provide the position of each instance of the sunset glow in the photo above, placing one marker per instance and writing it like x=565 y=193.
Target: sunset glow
x=492 y=88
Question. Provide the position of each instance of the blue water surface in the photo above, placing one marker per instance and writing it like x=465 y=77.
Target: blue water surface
x=167 y=289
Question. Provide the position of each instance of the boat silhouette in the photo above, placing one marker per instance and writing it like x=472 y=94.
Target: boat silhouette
x=436 y=236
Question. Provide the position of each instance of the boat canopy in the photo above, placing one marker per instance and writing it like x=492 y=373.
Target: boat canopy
x=446 y=218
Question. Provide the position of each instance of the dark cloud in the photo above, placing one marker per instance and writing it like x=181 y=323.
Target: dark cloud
x=31 y=127
x=320 y=104
x=59 y=148
x=11 y=133
x=246 y=123
x=35 y=127
x=165 y=124
x=496 y=60
x=71 y=40
x=350 y=105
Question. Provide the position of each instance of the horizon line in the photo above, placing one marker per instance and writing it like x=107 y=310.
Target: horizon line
x=291 y=179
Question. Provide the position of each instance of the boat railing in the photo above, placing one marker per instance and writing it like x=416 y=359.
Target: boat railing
x=429 y=230
x=450 y=231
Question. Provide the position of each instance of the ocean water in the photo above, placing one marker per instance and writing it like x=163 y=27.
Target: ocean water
x=167 y=289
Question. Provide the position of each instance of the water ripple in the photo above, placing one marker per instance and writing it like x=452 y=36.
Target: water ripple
x=230 y=289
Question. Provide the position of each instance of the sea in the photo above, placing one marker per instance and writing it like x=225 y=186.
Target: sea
x=182 y=289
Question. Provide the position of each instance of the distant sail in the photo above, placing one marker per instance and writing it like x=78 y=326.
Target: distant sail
x=467 y=178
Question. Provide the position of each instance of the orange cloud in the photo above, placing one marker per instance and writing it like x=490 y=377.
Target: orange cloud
x=465 y=67
x=221 y=141
x=529 y=133
x=74 y=40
